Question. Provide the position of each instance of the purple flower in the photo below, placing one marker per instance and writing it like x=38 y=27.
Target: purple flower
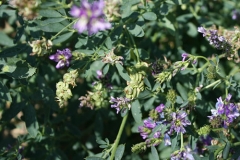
x=184 y=56
x=160 y=108
x=235 y=14
x=178 y=123
x=202 y=30
x=99 y=74
x=144 y=131
x=62 y=57
x=182 y=154
x=90 y=17
x=225 y=111
x=157 y=134
x=167 y=140
x=149 y=123
x=120 y=103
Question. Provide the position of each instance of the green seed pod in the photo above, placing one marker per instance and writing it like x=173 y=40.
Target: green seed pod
x=203 y=131
x=171 y=96
x=211 y=72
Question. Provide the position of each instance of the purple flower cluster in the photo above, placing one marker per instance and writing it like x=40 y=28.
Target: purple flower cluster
x=146 y=129
x=176 y=120
x=179 y=121
x=217 y=41
x=90 y=17
x=184 y=154
x=225 y=111
x=150 y=124
x=62 y=57
x=120 y=103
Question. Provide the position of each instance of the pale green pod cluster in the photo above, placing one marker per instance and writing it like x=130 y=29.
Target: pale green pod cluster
x=136 y=85
x=164 y=76
x=140 y=147
x=26 y=8
x=171 y=96
x=40 y=47
x=211 y=72
x=203 y=131
x=112 y=9
x=112 y=59
x=70 y=77
x=63 y=92
x=96 y=99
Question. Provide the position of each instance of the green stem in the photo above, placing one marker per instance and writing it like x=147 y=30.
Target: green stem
x=182 y=147
x=63 y=29
x=236 y=144
x=212 y=84
x=202 y=57
x=118 y=136
x=130 y=38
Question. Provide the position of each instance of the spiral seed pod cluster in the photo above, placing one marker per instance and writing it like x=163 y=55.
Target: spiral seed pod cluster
x=40 y=47
x=63 y=91
x=97 y=99
x=136 y=85
x=70 y=77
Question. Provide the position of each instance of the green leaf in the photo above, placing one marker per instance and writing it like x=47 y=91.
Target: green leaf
x=136 y=111
x=62 y=38
x=55 y=27
x=149 y=103
x=16 y=68
x=86 y=51
x=164 y=8
x=31 y=120
x=119 y=152
x=49 y=4
x=168 y=24
x=154 y=153
x=10 y=52
x=192 y=31
x=105 y=69
x=151 y=16
x=14 y=109
x=180 y=2
x=81 y=41
x=146 y=81
x=144 y=55
x=174 y=141
x=122 y=72
x=226 y=150
x=182 y=91
x=50 y=21
x=135 y=30
x=5 y=40
x=99 y=141
x=49 y=13
x=108 y=43
x=4 y=93
x=94 y=158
